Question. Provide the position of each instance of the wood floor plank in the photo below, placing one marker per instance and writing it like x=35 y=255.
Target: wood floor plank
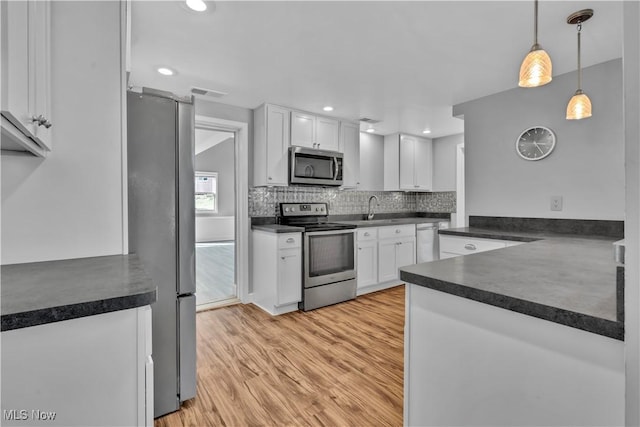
x=336 y=366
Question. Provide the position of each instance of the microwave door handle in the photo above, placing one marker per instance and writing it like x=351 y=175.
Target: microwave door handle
x=335 y=170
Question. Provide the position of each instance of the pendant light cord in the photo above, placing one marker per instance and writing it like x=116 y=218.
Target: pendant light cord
x=535 y=23
x=579 y=66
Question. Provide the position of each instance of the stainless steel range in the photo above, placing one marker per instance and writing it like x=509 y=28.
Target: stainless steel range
x=329 y=255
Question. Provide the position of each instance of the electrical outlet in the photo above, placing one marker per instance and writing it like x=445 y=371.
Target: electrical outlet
x=556 y=203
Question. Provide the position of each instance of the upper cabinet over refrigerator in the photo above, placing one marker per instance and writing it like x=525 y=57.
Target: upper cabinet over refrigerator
x=26 y=121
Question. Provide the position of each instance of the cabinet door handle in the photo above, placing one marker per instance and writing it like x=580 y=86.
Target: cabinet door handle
x=270 y=178
x=367 y=234
x=398 y=231
x=41 y=121
x=291 y=240
x=359 y=248
x=470 y=246
x=398 y=243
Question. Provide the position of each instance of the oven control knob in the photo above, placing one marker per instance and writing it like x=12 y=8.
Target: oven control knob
x=293 y=209
x=286 y=209
x=317 y=209
x=322 y=208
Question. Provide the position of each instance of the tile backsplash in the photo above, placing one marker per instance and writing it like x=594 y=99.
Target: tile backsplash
x=263 y=201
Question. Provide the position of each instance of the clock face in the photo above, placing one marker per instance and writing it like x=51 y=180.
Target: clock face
x=535 y=143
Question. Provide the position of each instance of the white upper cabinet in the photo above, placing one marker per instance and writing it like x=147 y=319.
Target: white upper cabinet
x=271 y=145
x=303 y=129
x=422 y=164
x=350 y=147
x=408 y=163
x=308 y=130
x=327 y=134
x=25 y=102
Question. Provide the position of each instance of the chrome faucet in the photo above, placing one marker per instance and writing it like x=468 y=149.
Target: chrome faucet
x=371 y=213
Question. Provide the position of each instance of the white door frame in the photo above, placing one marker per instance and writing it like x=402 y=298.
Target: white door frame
x=241 y=131
x=461 y=219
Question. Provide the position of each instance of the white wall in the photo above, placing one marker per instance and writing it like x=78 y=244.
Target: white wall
x=69 y=205
x=444 y=162
x=221 y=225
x=586 y=168
x=371 y=162
x=221 y=159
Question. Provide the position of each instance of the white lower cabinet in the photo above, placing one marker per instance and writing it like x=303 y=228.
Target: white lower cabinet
x=94 y=370
x=453 y=246
x=277 y=271
x=289 y=270
x=381 y=252
x=367 y=261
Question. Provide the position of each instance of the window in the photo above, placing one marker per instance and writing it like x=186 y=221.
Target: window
x=207 y=192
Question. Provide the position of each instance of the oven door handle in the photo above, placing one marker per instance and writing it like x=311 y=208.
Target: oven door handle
x=335 y=168
x=320 y=233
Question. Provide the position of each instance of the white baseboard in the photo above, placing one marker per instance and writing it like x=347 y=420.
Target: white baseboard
x=379 y=287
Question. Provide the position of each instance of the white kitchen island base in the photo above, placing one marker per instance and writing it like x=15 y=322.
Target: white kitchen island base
x=89 y=371
x=469 y=363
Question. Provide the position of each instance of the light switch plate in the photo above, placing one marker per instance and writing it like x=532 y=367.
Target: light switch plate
x=556 y=203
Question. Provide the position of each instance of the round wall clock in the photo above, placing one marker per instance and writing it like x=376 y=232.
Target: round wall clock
x=535 y=143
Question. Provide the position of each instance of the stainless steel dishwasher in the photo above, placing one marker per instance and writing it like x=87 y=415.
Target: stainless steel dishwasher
x=428 y=248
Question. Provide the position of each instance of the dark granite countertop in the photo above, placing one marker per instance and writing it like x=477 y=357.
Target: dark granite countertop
x=572 y=280
x=277 y=228
x=517 y=236
x=52 y=291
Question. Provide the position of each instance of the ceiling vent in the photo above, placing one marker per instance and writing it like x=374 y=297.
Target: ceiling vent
x=368 y=120
x=207 y=92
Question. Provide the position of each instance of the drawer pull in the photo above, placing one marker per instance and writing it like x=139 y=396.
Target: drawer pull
x=291 y=240
x=367 y=234
x=398 y=231
x=470 y=246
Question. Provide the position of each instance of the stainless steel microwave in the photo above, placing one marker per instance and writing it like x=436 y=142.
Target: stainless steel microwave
x=315 y=167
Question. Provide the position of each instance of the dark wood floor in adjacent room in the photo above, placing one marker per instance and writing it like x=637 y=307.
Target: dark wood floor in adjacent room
x=336 y=366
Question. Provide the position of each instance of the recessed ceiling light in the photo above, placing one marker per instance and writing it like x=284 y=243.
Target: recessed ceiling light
x=197 y=5
x=328 y=108
x=371 y=130
x=426 y=131
x=166 y=71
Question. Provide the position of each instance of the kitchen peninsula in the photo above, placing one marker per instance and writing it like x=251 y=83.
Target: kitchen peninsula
x=523 y=335
x=76 y=342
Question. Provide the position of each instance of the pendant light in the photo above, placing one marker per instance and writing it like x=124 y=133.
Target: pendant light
x=579 y=106
x=536 y=66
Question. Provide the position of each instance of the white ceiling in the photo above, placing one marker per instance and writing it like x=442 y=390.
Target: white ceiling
x=403 y=63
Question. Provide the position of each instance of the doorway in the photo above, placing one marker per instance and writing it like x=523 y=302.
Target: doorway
x=215 y=188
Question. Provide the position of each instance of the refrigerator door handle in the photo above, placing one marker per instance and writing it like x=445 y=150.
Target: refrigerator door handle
x=187 y=349
x=185 y=200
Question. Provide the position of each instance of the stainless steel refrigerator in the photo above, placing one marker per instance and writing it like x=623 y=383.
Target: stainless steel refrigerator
x=160 y=156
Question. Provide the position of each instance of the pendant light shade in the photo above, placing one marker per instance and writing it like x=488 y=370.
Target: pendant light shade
x=536 y=69
x=579 y=106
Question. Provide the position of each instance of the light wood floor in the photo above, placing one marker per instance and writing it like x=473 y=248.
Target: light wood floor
x=336 y=366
